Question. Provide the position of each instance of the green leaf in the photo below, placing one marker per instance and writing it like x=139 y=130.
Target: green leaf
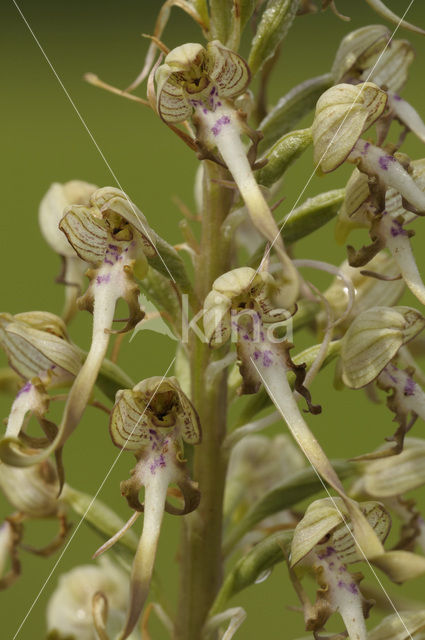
x=282 y=154
x=169 y=263
x=258 y=560
x=100 y=517
x=312 y=214
x=247 y=9
x=303 y=484
x=275 y=23
x=292 y=107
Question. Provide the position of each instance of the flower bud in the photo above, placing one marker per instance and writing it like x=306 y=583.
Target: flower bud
x=52 y=206
x=369 y=291
x=343 y=114
x=32 y=491
x=391 y=476
x=356 y=48
x=37 y=343
x=373 y=340
x=69 y=611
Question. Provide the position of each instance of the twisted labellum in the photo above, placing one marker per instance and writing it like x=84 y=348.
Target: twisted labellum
x=151 y=420
x=265 y=360
x=199 y=81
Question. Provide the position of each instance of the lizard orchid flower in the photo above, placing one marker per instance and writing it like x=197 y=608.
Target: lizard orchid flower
x=152 y=420
x=247 y=302
x=368 y=351
x=324 y=544
x=202 y=82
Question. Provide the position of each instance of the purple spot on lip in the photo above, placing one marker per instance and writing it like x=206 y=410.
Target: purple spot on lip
x=267 y=358
x=409 y=387
x=397 y=97
x=103 y=279
x=385 y=161
x=351 y=587
x=27 y=387
x=221 y=122
x=397 y=229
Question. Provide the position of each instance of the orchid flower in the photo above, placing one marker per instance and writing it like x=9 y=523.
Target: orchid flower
x=343 y=113
x=201 y=82
x=246 y=302
x=52 y=206
x=38 y=349
x=324 y=544
x=151 y=420
x=368 y=350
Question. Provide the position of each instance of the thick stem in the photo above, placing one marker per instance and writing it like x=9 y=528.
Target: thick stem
x=200 y=553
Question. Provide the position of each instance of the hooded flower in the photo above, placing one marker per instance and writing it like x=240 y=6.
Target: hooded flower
x=368 y=353
x=152 y=420
x=201 y=82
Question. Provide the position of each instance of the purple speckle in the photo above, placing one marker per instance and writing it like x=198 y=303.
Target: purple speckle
x=221 y=122
x=396 y=97
x=385 y=161
x=351 y=587
x=409 y=387
x=397 y=229
x=256 y=354
x=267 y=358
x=25 y=389
x=365 y=148
x=103 y=279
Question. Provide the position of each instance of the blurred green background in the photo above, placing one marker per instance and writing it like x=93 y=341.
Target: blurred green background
x=43 y=141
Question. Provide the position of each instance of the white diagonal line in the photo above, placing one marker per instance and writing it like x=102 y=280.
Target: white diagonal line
x=270 y=393
x=92 y=138
x=89 y=507
x=335 y=135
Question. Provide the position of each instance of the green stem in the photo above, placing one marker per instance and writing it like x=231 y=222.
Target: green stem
x=201 y=554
